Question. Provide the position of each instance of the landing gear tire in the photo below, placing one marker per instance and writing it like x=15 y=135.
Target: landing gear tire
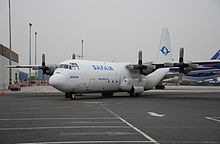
x=159 y=87
x=107 y=94
x=133 y=94
x=73 y=96
x=137 y=94
x=70 y=96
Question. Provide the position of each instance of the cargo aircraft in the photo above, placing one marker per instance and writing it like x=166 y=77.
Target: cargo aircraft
x=77 y=76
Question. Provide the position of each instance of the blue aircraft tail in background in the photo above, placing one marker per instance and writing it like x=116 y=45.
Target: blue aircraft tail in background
x=216 y=56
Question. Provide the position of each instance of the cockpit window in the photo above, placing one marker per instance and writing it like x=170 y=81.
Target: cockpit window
x=72 y=66
x=61 y=66
x=66 y=66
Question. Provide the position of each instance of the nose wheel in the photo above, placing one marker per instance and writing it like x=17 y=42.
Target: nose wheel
x=70 y=96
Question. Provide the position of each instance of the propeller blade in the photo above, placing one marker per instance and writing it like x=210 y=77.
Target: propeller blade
x=44 y=67
x=140 y=58
x=181 y=55
x=43 y=60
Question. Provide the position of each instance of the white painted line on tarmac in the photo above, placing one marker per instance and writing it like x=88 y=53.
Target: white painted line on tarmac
x=93 y=102
x=63 y=107
x=30 y=108
x=91 y=122
x=30 y=119
x=155 y=114
x=109 y=133
x=62 y=127
x=130 y=125
x=191 y=142
x=213 y=119
x=88 y=142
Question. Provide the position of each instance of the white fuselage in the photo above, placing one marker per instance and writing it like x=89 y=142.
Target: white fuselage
x=84 y=76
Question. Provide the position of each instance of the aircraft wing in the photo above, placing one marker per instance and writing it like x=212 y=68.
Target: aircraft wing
x=34 y=67
x=47 y=69
x=204 y=71
x=174 y=72
x=194 y=64
x=208 y=62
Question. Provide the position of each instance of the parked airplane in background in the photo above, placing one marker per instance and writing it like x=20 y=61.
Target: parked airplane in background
x=202 y=73
x=206 y=72
x=85 y=76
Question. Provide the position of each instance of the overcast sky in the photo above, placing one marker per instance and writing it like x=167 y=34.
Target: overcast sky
x=111 y=29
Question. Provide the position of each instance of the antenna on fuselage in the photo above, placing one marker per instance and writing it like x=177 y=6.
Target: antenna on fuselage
x=74 y=56
x=82 y=49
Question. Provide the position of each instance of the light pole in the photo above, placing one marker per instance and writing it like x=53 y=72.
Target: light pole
x=10 y=75
x=35 y=55
x=30 y=25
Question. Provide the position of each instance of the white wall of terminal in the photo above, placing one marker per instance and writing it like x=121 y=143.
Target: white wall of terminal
x=4 y=72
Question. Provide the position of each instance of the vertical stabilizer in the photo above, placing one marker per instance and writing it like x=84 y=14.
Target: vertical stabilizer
x=164 y=53
x=216 y=56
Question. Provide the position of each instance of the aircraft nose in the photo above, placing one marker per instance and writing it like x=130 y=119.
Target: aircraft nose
x=57 y=80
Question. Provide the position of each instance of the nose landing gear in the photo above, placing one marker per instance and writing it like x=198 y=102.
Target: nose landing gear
x=70 y=96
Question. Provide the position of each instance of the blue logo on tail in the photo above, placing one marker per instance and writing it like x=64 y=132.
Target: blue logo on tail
x=165 y=50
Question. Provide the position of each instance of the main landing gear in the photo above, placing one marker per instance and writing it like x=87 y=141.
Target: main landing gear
x=133 y=94
x=159 y=87
x=107 y=94
x=70 y=96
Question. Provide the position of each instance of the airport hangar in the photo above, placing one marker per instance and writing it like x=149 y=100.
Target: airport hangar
x=4 y=62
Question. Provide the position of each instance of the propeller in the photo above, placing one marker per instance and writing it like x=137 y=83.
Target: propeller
x=44 y=68
x=141 y=67
x=182 y=65
x=47 y=69
x=184 y=68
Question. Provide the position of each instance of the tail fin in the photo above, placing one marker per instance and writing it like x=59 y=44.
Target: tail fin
x=165 y=53
x=216 y=56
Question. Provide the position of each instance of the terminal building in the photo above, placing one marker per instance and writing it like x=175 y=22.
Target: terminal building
x=4 y=71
